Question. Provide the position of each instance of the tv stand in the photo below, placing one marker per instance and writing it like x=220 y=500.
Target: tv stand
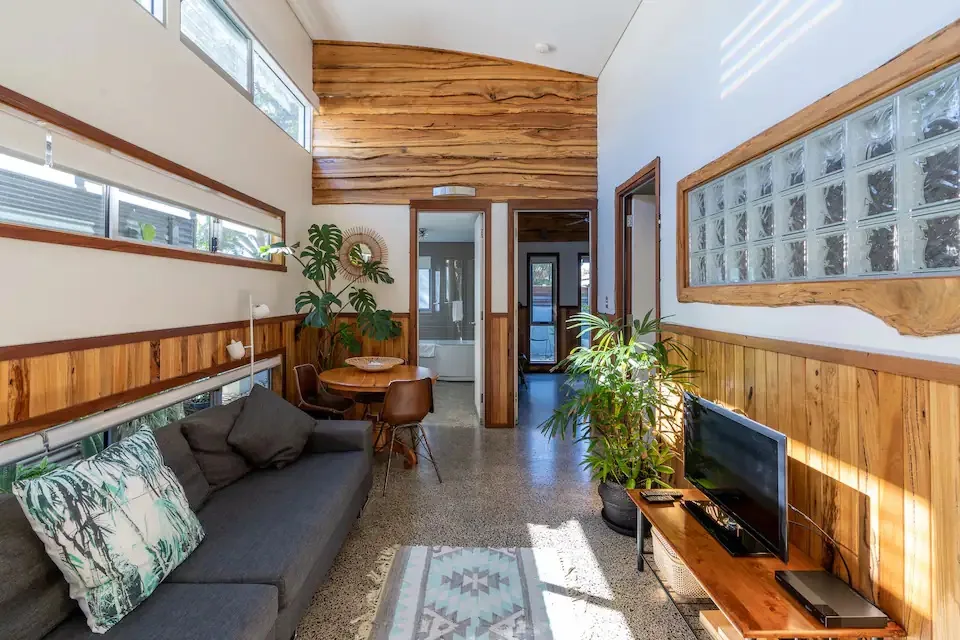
x=728 y=533
x=745 y=589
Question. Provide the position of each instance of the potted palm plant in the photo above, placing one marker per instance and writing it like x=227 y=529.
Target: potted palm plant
x=621 y=390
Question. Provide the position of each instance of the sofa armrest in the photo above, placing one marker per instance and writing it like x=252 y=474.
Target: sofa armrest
x=333 y=436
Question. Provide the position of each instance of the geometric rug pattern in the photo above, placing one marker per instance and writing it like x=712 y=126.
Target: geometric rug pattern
x=459 y=593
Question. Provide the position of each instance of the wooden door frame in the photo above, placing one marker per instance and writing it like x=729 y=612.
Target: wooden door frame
x=623 y=240
x=544 y=367
x=459 y=205
x=547 y=204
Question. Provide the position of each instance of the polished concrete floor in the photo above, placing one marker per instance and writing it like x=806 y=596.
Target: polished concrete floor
x=502 y=487
x=454 y=405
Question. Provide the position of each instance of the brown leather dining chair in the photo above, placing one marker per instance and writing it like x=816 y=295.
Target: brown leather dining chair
x=406 y=404
x=314 y=399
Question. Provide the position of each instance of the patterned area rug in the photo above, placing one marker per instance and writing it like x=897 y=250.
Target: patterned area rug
x=458 y=593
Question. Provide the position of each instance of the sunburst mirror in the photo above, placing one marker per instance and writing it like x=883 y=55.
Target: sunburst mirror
x=361 y=245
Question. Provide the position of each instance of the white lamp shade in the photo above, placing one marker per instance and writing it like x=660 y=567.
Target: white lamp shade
x=235 y=350
x=261 y=311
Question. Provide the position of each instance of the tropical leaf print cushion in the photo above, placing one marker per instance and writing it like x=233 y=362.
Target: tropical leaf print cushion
x=115 y=524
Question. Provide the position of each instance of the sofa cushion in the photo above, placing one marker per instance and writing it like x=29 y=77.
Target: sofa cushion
x=270 y=431
x=33 y=593
x=272 y=526
x=206 y=431
x=178 y=456
x=115 y=524
x=190 y=612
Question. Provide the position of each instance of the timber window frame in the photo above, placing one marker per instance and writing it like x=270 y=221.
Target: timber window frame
x=913 y=303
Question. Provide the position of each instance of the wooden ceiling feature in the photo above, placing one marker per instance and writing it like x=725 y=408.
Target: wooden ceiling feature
x=553 y=226
x=396 y=121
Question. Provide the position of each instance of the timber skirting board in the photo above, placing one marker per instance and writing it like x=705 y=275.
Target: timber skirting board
x=913 y=367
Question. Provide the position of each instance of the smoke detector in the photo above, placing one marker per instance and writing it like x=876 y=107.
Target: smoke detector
x=543 y=47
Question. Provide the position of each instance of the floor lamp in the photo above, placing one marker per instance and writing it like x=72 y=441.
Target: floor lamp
x=236 y=349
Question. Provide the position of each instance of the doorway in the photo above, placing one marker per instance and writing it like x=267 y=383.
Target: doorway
x=637 y=244
x=550 y=259
x=449 y=306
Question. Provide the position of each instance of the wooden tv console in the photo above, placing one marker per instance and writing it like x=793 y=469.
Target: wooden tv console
x=744 y=589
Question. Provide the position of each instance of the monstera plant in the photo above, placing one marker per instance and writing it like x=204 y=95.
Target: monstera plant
x=325 y=303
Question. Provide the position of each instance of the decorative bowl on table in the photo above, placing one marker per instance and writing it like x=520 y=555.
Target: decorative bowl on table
x=373 y=363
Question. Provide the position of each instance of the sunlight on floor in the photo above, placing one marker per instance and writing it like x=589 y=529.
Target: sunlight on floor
x=759 y=50
x=590 y=598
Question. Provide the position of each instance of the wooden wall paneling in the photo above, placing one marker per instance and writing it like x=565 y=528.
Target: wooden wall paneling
x=889 y=471
x=812 y=460
x=497 y=396
x=826 y=441
x=396 y=121
x=874 y=460
x=868 y=403
x=945 y=508
x=847 y=526
x=917 y=558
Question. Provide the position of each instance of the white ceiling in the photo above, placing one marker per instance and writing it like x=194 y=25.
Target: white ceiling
x=448 y=227
x=583 y=32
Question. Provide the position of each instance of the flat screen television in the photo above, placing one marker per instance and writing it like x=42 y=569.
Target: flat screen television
x=741 y=466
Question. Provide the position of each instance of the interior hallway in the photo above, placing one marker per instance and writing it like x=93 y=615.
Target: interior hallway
x=502 y=487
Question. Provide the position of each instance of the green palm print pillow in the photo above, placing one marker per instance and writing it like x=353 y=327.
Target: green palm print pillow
x=115 y=524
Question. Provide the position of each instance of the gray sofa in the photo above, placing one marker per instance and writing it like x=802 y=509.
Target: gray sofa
x=271 y=538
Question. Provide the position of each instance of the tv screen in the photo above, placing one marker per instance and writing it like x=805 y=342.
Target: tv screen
x=741 y=466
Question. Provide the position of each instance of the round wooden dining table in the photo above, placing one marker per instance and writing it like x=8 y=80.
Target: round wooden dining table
x=355 y=380
x=351 y=380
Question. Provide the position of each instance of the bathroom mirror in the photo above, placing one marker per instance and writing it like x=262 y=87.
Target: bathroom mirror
x=361 y=246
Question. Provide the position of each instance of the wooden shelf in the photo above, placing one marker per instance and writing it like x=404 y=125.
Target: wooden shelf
x=744 y=589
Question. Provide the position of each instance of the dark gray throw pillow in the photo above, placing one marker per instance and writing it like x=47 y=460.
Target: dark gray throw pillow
x=206 y=431
x=178 y=456
x=270 y=431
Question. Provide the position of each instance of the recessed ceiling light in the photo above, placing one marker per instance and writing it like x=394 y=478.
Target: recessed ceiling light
x=543 y=47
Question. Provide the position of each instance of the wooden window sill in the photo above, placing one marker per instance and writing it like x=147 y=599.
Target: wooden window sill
x=51 y=236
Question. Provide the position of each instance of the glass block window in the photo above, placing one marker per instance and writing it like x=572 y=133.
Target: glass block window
x=873 y=194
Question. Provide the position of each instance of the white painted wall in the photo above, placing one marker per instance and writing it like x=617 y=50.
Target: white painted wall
x=569 y=268
x=644 y=235
x=109 y=63
x=663 y=94
x=393 y=223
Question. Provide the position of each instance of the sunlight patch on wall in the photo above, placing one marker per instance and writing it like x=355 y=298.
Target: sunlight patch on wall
x=765 y=39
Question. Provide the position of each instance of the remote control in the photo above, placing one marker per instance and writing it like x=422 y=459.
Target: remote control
x=661 y=495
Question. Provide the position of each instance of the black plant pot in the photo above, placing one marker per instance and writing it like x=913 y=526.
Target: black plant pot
x=619 y=512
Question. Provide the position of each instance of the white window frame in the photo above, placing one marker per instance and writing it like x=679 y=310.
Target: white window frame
x=255 y=48
x=111 y=198
x=157 y=8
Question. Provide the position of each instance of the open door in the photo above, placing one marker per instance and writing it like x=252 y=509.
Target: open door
x=480 y=327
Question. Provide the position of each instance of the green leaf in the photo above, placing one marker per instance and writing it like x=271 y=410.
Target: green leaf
x=362 y=301
x=327 y=238
x=349 y=338
x=279 y=247
x=376 y=272
x=378 y=325
x=148 y=232
x=630 y=484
